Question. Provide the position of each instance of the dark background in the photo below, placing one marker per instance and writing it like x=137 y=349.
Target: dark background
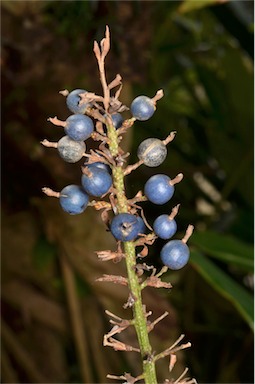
x=201 y=54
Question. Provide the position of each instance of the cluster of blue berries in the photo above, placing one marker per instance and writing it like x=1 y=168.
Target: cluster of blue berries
x=102 y=187
x=97 y=181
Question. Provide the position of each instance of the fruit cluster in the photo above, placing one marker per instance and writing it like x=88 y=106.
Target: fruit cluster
x=96 y=179
x=102 y=186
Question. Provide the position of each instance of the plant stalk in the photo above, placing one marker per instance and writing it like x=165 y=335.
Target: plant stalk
x=140 y=322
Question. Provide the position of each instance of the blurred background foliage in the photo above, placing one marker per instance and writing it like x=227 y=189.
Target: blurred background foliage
x=201 y=54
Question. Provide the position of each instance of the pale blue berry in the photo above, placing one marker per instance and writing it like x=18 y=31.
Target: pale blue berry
x=79 y=127
x=70 y=150
x=164 y=227
x=175 y=254
x=152 y=151
x=158 y=189
x=73 y=199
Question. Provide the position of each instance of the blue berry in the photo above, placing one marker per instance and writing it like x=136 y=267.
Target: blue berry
x=100 y=165
x=79 y=127
x=152 y=151
x=142 y=108
x=158 y=189
x=73 y=199
x=71 y=151
x=117 y=120
x=96 y=181
x=164 y=227
x=175 y=254
x=73 y=99
x=125 y=227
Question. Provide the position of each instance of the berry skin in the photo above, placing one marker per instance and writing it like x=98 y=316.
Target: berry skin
x=152 y=151
x=164 y=227
x=71 y=151
x=96 y=181
x=73 y=99
x=117 y=120
x=79 y=127
x=73 y=199
x=158 y=189
x=142 y=108
x=125 y=227
x=100 y=165
x=175 y=254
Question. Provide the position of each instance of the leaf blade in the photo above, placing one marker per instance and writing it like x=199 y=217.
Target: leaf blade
x=240 y=298
x=225 y=248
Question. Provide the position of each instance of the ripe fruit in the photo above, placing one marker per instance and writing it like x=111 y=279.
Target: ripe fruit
x=71 y=151
x=160 y=188
x=175 y=254
x=100 y=165
x=73 y=199
x=79 y=127
x=96 y=181
x=125 y=227
x=152 y=151
x=164 y=227
x=142 y=108
x=73 y=99
x=117 y=120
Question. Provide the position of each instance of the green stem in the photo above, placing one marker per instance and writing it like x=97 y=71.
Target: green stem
x=140 y=322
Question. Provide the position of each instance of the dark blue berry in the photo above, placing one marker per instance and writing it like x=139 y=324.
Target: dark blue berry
x=164 y=227
x=73 y=100
x=125 y=227
x=73 y=199
x=158 y=189
x=96 y=181
x=142 y=108
x=152 y=151
x=71 y=151
x=175 y=254
x=117 y=120
x=79 y=127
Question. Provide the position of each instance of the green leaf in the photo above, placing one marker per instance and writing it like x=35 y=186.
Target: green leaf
x=193 y=5
x=225 y=248
x=225 y=285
